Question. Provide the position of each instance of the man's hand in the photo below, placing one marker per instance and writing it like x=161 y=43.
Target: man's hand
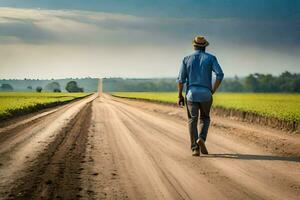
x=180 y=96
x=181 y=101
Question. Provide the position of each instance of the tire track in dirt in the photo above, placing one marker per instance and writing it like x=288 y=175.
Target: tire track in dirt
x=101 y=175
x=14 y=126
x=57 y=170
x=24 y=151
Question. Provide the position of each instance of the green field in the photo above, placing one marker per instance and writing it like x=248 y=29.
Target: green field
x=15 y=103
x=281 y=106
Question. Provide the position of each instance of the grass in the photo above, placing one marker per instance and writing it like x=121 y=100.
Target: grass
x=281 y=106
x=16 y=103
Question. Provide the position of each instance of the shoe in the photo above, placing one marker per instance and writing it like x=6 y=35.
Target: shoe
x=196 y=152
x=202 y=146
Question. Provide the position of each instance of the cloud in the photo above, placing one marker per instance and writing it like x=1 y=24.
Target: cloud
x=85 y=43
x=83 y=27
x=86 y=27
x=28 y=32
x=44 y=26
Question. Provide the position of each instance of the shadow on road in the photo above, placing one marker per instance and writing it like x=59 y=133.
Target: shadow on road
x=252 y=157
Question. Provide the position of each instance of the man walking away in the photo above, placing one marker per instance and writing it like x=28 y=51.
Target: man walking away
x=196 y=72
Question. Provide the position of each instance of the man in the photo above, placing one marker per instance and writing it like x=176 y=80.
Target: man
x=196 y=72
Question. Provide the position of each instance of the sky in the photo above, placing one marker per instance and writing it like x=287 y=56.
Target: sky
x=133 y=38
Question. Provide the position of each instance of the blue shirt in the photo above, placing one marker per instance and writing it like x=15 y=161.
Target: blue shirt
x=196 y=71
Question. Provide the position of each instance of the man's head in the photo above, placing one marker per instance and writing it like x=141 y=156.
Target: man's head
x=200 y=43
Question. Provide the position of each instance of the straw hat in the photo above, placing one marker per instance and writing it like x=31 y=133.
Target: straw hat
x=200 y=41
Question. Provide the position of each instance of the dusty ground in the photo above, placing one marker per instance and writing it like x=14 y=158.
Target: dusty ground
x=110 y=148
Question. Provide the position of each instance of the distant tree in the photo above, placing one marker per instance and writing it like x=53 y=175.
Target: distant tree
x=265 y=83
x=53 y=86
x=39 y=89
x=296 y=84
x=285 y=83
x=236 y=78
x=73 y=87
x=231 y=86
x=56 y=90
x=6 y=87
x=251 y=83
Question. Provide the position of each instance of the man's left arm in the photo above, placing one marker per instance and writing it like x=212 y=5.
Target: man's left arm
x=219 y=74
x=180 y=96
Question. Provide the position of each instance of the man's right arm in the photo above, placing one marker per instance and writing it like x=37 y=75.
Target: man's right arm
x=182 y=76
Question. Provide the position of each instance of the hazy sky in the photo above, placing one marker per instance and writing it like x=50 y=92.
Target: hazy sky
x=134 y=38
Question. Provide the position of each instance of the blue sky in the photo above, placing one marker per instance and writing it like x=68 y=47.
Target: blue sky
x=133 y=38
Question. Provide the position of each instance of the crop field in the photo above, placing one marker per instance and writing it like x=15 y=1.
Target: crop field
x=14 y=103
x=281 y=106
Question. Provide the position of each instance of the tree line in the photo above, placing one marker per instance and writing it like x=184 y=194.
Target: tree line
x=71 y=86
x=49 y=85
x=285 y=82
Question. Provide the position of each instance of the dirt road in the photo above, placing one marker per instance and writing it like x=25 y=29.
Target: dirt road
x=110 y=148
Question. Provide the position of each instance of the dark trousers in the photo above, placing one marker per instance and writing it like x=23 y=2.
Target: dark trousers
x=193 y=109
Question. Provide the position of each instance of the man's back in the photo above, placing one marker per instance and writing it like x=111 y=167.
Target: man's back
x=196 y=72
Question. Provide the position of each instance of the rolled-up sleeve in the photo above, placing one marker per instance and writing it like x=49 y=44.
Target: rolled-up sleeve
x=182 y=76
x=217 y=69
